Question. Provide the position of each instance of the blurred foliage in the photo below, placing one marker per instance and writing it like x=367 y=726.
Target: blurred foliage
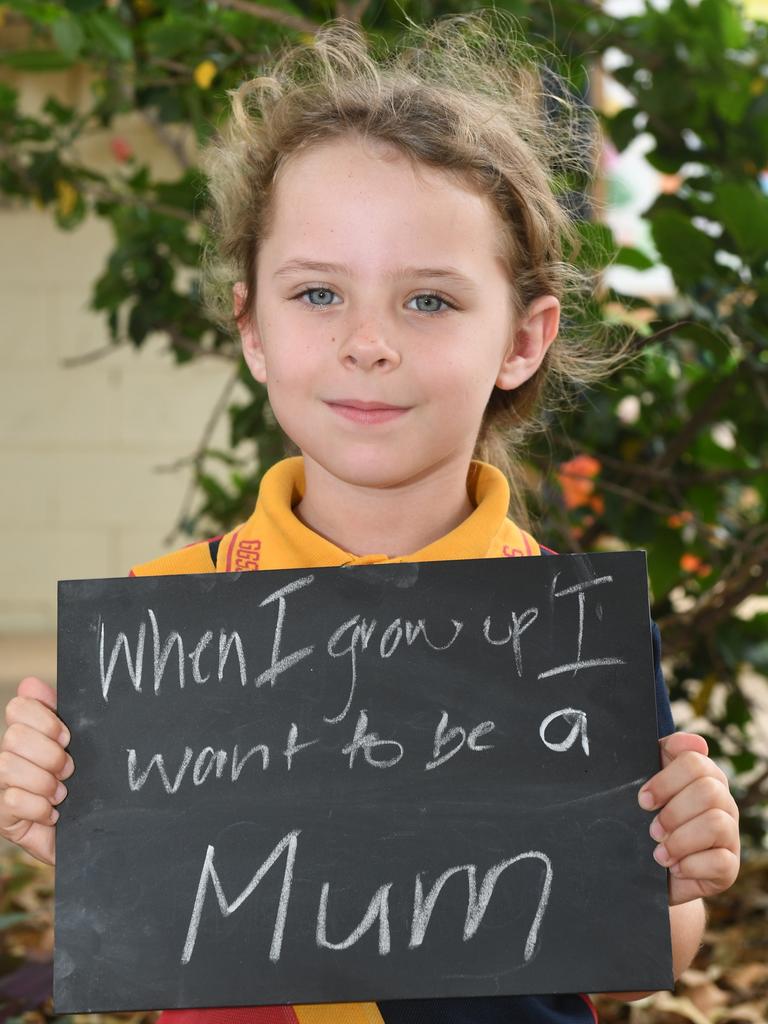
x=671 y=456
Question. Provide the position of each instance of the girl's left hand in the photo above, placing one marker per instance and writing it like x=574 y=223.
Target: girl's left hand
x=697 y=824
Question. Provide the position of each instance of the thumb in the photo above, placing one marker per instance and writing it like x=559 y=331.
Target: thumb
x=36 y=689
x=680 y=743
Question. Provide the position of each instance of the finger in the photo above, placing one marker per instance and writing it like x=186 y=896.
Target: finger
x=679 y=773
x=17 y=805
x=17 y=772
x=40 y=750
x=713 y=870
x=30 y=711
x=35 y=688
x=703 y=794
x=715 y=829
x=679 y=743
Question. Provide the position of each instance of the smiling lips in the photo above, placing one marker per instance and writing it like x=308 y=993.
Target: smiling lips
x=366 y=412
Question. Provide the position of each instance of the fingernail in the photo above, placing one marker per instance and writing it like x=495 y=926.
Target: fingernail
x=64 y=737
x=68 y=768
x=61 y=792
x=675 y=869
x=645 y=799
x=657 y=830
x=661 y=855
x=54 y=816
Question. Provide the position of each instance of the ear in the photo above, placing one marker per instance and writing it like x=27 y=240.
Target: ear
x=532 y=338
x=253 y=350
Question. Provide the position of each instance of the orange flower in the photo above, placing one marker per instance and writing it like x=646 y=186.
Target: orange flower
x=575 y=478
x=678 y=519
x=692 y=564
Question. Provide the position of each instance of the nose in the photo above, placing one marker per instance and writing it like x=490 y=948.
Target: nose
x=367 y=348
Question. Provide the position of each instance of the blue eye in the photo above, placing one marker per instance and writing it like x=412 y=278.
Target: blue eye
x=438 y=298
x=329 y=292
x=321 y=291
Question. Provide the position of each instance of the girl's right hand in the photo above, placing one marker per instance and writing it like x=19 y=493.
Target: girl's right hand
x=33 y=763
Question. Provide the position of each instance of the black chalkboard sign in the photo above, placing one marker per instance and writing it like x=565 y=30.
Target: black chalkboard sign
x=374 y=782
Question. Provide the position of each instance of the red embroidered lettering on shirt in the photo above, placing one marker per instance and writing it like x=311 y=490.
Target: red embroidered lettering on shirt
x=509 y=552
x=247 y=555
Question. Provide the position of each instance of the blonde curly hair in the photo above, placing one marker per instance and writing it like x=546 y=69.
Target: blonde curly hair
x=466 y=95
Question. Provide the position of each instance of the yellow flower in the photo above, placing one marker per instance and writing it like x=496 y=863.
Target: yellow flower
x=756 y=9
x=307 y=38
x=66 y=197
x=204 y=74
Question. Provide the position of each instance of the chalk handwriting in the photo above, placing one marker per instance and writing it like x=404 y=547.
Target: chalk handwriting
x=443 y=738
x=292 y=747
x=161 y=657
x=378 y=908
x=282 y=664
x=204 y=764
x=135 y=782
x=578 y=722
x=515 y=631
x=368 y=742
x=134 y=661
x=477 y=905
x=195 y=656
x=286 y=845
x=360 y=637
x=225 y=646
x=134 y=664
x=575 y=666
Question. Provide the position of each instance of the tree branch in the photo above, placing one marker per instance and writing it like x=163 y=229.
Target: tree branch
x=352 y=10
x=175 y=145
x=197 y=458
x=746 y=574
x=271 y=14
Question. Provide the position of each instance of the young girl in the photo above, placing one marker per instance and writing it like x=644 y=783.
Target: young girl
x=392 y=239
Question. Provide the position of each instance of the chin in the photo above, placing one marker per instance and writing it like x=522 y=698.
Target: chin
x=369 y=469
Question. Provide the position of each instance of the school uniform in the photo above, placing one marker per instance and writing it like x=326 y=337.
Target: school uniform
x=274 y=538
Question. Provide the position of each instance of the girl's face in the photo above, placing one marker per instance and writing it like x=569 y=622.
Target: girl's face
x=383 y=317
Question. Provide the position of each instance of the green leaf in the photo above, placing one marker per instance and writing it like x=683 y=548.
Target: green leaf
x=68 y=36
x=8 y=97
x=59 y=113
x=110 y=35
x=175 y=35
x=743 y=209
x=726 y=21
x=37 y=60
x=628 y=257
x=737 y=711
x=37 y=13
x=688 y=252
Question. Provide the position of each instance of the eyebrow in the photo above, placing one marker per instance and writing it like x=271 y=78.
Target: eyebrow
x=445 y=273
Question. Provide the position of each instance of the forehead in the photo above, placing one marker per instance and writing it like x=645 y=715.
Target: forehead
x=364 y=194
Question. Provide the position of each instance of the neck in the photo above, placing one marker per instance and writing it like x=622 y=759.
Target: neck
x=395 y=521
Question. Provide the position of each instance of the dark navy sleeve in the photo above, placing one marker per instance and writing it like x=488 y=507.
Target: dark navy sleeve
x=664 y=718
